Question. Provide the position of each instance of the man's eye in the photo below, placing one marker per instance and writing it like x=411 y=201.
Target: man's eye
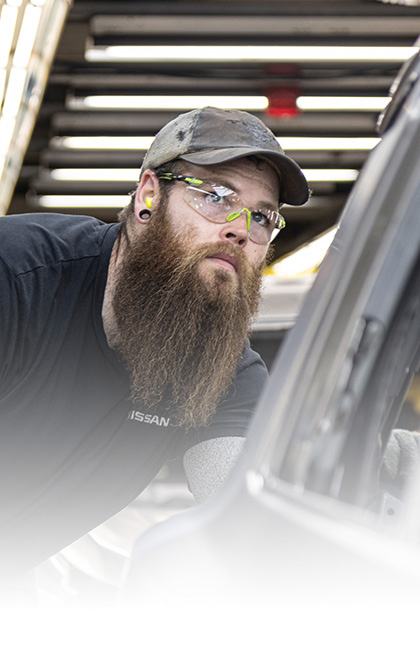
x=260 y=218
x=215 y=199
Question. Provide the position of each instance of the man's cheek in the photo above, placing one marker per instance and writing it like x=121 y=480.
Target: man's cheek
x=183 y=231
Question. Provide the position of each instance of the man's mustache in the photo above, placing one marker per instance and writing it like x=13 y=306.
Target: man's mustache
x=218 y=249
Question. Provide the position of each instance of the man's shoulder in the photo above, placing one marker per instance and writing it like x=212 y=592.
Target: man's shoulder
x=250 y=358
x=30 y=240
x=251 y=374
x=55 y=225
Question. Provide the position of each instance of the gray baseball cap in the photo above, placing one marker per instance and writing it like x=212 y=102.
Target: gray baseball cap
x=210 y=136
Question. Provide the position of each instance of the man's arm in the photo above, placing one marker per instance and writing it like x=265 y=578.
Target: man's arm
x=208 y=464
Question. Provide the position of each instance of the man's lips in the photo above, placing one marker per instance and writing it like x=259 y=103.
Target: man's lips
x=226 y=261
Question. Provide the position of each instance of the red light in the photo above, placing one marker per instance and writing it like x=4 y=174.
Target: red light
x=282 y=101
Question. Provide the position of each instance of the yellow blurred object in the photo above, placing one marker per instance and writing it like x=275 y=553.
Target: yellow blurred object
x=305 y=260
x=413 y=395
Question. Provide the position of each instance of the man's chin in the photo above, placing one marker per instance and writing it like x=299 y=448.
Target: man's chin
x=212 y=273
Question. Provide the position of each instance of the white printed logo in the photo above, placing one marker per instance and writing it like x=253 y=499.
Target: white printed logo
x=148 y=418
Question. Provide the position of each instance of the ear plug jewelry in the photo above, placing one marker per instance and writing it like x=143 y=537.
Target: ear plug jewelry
x=145 y=214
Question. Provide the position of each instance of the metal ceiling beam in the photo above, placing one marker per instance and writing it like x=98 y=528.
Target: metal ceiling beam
x=86 y=8
x=98 y=80
x=268 y=25
x=64 y=123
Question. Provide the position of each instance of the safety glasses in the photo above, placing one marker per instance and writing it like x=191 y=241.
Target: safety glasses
x=219 y=204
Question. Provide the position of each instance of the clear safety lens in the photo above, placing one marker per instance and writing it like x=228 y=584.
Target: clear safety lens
x=220 y=204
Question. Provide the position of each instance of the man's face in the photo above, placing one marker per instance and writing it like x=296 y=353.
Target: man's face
x=257 y=185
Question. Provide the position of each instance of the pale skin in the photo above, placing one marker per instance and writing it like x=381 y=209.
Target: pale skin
x=207 y=464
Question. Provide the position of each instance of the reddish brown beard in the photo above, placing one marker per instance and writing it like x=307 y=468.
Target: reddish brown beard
x=181 y=336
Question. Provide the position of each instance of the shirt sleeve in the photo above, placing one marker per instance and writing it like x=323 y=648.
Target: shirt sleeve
x=208 y=464
x=234 y=412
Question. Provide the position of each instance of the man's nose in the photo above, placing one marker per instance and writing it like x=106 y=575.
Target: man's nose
x=236 y=229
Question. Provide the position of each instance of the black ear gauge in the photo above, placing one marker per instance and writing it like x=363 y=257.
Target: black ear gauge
x=145 y=214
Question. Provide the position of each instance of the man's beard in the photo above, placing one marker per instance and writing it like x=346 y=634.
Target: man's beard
x=181 y=334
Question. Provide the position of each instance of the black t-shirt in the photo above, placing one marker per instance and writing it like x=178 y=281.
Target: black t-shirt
x=74 y=449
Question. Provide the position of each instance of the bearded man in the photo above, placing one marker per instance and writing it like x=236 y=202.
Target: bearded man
x=126 y=344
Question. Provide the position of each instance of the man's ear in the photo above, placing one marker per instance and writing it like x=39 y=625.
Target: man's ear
x=147 y=191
